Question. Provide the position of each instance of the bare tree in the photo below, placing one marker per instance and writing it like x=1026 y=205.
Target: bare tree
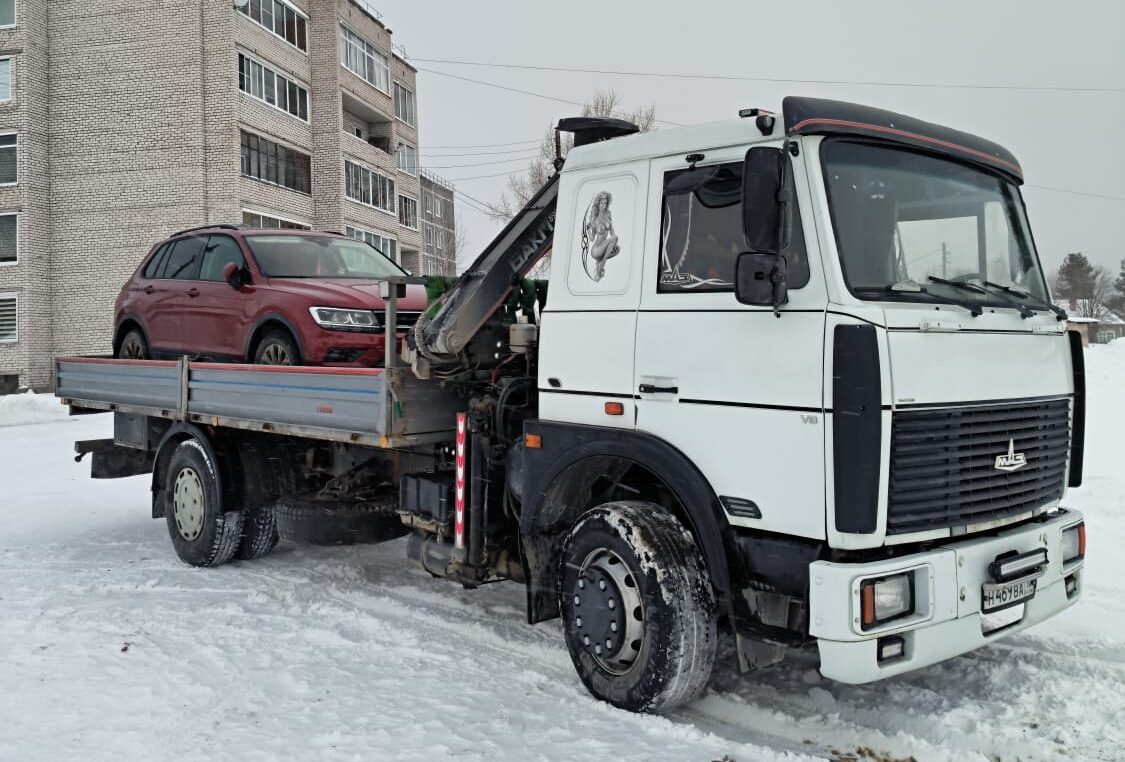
x=461 y=255
x=522 y=186
x=1097 y=296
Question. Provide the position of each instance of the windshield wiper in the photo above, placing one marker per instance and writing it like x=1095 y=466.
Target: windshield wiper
x=1033 y=301
x=975 y=309
x=910 y=287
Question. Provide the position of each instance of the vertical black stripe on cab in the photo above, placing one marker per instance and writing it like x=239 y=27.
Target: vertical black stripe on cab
x=1078 y=427
x=856 y=427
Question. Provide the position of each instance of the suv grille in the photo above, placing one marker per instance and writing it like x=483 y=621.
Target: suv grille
x=406 y=319
x=943 y=463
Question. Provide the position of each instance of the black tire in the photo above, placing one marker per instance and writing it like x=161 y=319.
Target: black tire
x=133 y=346
x=262 y=482
x=332 y=521
x=625 y=556
x=203 y=532
x=277 y=347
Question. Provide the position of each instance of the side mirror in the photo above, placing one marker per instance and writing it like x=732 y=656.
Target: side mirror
x=765 y=199
x=761 y=279
x=233 y=275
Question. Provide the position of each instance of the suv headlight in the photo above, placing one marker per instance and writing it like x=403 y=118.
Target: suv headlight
x=886 y=598
x=1074 y=543
x=345 y=319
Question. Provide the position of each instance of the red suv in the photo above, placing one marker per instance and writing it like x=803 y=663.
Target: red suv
x=276 y=297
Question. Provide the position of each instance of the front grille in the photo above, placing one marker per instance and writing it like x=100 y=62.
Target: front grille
x=943 y=463
x=406 y=319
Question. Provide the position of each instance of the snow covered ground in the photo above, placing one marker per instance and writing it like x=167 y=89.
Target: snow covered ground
x=111 y=649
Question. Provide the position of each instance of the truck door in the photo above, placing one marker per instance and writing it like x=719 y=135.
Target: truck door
x=735 y=388
x=589 y=324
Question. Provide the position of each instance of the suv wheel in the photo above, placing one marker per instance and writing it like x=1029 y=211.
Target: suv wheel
x=277 y=348
x=133 y=346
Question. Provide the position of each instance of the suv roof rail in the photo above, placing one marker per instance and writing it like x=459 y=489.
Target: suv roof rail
x=219 y=225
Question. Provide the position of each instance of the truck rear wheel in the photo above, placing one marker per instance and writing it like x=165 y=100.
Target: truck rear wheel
x=203 y=532
x=317 y=520
x=637 y=606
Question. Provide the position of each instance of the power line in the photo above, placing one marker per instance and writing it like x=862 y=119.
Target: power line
x=787 y=80
x=479 y=163
x=531 y=150
x=492 y=145
x=528 y=92
x=481 y=177
x=1076 y=193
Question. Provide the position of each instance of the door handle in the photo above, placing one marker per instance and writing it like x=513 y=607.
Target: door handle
x=149 y=289
x=193 y=292
x=652 y=389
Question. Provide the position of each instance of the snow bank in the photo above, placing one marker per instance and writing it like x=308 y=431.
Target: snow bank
x=18 y=409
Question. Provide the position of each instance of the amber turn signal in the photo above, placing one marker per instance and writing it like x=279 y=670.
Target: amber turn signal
x=614 y=408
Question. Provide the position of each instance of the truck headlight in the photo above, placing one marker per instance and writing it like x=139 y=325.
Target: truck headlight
x=886 y=598
x=344 y=319
x=1074 y=543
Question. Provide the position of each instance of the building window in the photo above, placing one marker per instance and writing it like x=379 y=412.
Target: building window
x=9 y=319
x=404 y=103
x=263 y=220
x=385 y=245
x=5 y=79
x=270 y=87
x=433 y=264
x=437 y=207
x=9 y=236
x=283 y=20
x=369 y=187
x=427 y=202
x=429 y=235
x=9 y=164
x=408 y=212
x=406 y=158
x=265 y=160
x=7 y=12
x=361 y=57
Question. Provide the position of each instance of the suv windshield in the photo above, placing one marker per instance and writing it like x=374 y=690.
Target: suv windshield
x=904 y=218
x=305 y=256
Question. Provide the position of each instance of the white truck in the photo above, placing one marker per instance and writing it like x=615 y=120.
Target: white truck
x=796 y=380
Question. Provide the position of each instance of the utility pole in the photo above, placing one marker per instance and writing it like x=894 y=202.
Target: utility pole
x=944 y=260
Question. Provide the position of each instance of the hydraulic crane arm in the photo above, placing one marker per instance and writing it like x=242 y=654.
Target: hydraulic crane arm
x=481 y=290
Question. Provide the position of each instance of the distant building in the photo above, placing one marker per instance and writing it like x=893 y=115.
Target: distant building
x=1103 y=328
x=282 y=113
x=439 y=227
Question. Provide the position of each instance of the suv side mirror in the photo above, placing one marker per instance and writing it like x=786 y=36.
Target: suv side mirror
x=234 y=276
x=761 y=279
x=765 y=199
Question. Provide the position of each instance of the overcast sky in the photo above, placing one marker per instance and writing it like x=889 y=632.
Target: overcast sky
x=1065 y=138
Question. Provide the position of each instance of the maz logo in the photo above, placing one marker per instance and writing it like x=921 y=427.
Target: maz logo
x=1011 y=460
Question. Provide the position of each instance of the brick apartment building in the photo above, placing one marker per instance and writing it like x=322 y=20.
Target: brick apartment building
x=439 y=227
x=122 y=122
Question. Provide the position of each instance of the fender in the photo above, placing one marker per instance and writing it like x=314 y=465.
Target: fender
x=273 y=317
x=566 y=446
x=133 y=317
x=176 y=433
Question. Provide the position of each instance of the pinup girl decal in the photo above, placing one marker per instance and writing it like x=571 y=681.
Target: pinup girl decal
x=599 y=241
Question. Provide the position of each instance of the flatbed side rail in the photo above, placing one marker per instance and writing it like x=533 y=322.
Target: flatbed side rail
x=334 y=404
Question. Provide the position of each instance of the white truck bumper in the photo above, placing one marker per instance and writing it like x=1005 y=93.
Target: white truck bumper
x=947 y=618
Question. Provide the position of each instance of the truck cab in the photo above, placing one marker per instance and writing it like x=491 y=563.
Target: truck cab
x=904 y=416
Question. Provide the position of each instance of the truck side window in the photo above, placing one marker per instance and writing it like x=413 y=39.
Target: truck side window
x=701 y=233
x=182 y=262
x=220 y=250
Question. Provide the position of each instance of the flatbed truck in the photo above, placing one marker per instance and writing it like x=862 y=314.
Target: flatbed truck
x=796 y=382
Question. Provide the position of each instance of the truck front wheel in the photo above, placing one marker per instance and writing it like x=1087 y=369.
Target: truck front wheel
x=638 y=607
x=202 y=531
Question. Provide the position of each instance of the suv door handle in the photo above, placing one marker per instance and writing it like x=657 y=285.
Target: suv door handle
x=193 y=292
x=651 y=389
x=149 y=289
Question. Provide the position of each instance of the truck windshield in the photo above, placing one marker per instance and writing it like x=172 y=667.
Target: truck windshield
x=906 y=221
x=304 y=256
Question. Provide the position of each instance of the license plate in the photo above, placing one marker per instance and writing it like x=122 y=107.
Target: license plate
x=999 y=595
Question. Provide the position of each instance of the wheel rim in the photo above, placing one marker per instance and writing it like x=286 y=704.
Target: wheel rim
x=131 y=349
x=608 y=612
x=187 y=503
x=275 y=354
